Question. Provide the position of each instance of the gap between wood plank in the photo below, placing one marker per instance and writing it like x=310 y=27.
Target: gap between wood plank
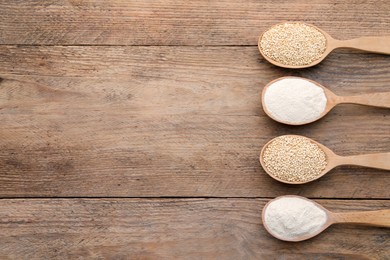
x=184 y=198
x=128 y=45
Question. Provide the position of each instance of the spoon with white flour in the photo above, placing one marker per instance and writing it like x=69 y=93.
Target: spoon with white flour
x=295 y=218
x=298 y=101
x=301 y=45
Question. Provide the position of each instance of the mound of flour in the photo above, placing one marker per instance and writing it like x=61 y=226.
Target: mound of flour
x=291 y=217
x=295 y=100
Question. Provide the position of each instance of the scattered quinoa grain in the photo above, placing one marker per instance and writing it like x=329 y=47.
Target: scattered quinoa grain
x=294 y=159
x=293 y=44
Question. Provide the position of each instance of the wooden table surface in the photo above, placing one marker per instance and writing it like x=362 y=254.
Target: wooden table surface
x=132 y=129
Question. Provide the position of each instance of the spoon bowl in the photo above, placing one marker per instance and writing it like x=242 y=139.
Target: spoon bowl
x=379 y=218
x=369 y=44
x=378 y=160
x=332 y=100
x=329 y=220
x=329 y=47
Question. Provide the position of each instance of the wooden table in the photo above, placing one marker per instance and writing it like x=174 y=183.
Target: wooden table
x=132 y=129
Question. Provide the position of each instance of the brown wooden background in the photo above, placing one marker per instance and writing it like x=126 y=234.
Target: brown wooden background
x=132 y=129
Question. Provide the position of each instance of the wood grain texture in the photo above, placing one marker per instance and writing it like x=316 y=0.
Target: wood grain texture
x=169 y=22
x=172 y=121
x=104 y=111
x=173 y=229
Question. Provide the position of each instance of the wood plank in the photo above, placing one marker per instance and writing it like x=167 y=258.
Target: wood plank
x=171 y=121
x=171 y=80
x=169 y=22
x=173 y=229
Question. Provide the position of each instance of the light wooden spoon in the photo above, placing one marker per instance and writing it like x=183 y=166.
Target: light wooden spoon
x=379 y=218
x=377 y=160
x=369 y=44
x=381 y=99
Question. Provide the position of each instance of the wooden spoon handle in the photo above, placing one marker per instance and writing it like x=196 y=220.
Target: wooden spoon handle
x=375 y=99
x=379 y=218
x=377 y=160
x=371 y=44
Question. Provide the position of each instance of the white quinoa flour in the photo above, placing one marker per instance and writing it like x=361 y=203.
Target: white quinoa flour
x=294 y=100
x=292 y=217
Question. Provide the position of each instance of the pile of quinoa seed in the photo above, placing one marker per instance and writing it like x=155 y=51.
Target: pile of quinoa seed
x=293 y=44
x=294 y=159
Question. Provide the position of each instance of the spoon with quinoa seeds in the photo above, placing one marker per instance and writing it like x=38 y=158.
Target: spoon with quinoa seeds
x=299 y=45
x=296 y=159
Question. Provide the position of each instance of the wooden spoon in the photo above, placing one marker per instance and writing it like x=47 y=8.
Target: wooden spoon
x=374 y=99
x=369 y=44
x=377 y=160
x=379 y=218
